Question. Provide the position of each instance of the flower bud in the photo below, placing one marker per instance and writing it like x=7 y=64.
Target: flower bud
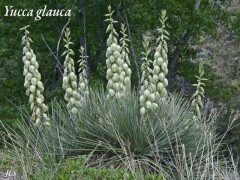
x=142 y=99
x=112 y=59
x=44 y=107
x=156 y=55
x=47 y=124
x=161 y=76
x=164 y=66
x=28 y=55
x=38 y=111
x=142 y=111
x=148 y=104
x=146 y=93
x=39 y=100
x=74 y=84
x=27 y=63
x=74 y=111
x=25 y=50
x=34 y=81
x=111 y=92
x=82 y=86
x=159 y=61
x=40 y=86
x=65 y=80
x=32 y=88
x=24 y=59
x=72 y=76
x=38 y=121
x=26 y=83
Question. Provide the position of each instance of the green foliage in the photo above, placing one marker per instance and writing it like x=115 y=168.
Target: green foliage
x=76 y=169
x=4 y=163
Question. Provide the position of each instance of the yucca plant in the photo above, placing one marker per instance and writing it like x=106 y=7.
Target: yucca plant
x=110 y=132
x=118 y=72
x=199 y=94
x=72 y=95
x=147 y=95
x=83 y=81
x=125 y=51
x=33 y=82
x=160 y=62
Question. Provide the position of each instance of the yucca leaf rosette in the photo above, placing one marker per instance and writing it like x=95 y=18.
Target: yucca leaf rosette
x=72 y=95
x=33 y=82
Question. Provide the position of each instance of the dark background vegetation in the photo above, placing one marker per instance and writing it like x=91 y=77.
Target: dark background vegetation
x=208 y=32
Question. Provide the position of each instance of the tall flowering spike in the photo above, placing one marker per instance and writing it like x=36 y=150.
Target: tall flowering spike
x=115 y=74
x=147 y=97
x=160 y=62
x=83 y=82
x=33 y=82
x=72 y=95
x=197 y=96
x=125 y=51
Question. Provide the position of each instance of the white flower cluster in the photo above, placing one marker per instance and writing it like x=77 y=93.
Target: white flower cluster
x=118 y=71
x=33 y=82
x=197 y=96
x=160 y=62
x=72 y=95
x=83 y=82
x=125 y=51
x=147 y=97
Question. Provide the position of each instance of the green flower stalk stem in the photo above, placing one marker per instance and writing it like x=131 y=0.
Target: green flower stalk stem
x=83 y=82
x=72 y=95
x=115 y=74
x=199 y=94
x=125 y=51
x=33 y=82
x=147 y=95
x=160 y=62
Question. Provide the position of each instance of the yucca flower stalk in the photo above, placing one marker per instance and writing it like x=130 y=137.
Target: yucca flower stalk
x=125 y=51
x=33 y=82
x=72 y=95
x=160 y=62
x=147 y=95
x=83 y=81
x=115 y=74
x=199 y=94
